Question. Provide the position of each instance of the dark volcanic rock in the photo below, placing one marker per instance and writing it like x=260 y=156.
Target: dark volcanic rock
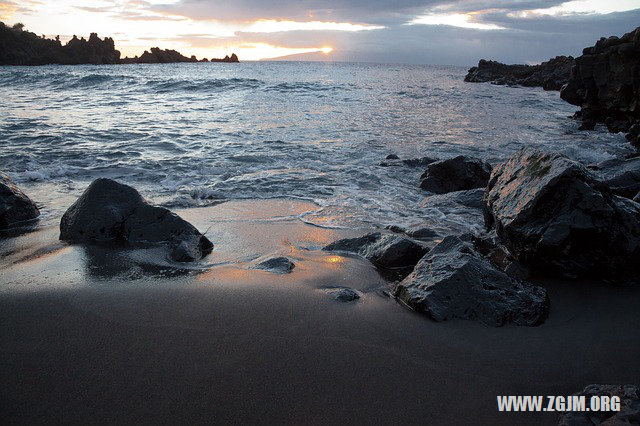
x=554 y=215
x=278 y=265
x=111 y=211
x=15 y=206
x=550 y=75
x=383 y=250
x=20 y=47
x=454 y=281
x=605 y=82
x=455 y=174
x=343 y=294
x=628 y=413
x=621 y=175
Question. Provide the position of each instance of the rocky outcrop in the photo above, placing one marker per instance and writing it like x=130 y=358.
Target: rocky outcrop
x=621 y=175
x=628 y=412
x=109 y=211
x=15 y=206
x=277 y=265
x=455 y=174
x=605 y=84
x=168 y=56
x=20 y=47
x=554 y=215
x=383 y=250
x=550 y=75
x=453 y=281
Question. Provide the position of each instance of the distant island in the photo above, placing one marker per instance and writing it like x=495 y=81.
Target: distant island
x=21 y=47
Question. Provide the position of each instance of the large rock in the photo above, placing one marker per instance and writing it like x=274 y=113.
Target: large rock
x=454 y=281
x=550 y=75
x=111 y=211
x=628 y=413
x=15 y=206
x=605 y=82
x=553 y=214
x=455 y=174
x=383 y=250
x=621 y=175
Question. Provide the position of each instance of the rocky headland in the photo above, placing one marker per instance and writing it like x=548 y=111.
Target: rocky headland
x=21 y=47
x=605 y=84
x=550 y=75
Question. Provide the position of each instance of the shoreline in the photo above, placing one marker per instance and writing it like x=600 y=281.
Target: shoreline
x=233 y=344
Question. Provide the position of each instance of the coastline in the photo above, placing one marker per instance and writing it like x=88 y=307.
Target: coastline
x=234 y=344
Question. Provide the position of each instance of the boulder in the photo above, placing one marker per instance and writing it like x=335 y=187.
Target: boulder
x=15 y=206
x=621 y=175
x=455 y=174
x=453 y=281
x=109 y=211
x=550 y=75
x=277 y=265
x=628 y=413
x=383 y=250
x=605 y=82
x=553 y=215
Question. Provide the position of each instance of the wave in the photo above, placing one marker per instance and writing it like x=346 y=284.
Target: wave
x=208 y=85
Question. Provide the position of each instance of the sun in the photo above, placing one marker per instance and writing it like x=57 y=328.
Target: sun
x=326 y=50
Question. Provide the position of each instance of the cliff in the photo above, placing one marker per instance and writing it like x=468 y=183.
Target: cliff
x=550 y=75
x=20 y=47
x=605 y=84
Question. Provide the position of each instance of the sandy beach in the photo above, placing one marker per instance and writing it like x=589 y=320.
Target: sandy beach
x=89 y=333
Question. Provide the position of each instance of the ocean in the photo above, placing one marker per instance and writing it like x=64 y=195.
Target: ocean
x=189 y=135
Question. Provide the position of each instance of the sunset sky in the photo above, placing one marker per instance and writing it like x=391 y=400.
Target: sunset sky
x=405 y=31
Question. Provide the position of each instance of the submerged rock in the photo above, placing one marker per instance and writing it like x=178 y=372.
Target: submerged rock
x=343 y=294
x=393 y=160
x=453 y=281
x=555 y=216
x=628 y=413
x=455 y=174
x=550 y=75
x=621 y=175
x=383 y=250
x=109 y=211
x=604 y=83
x=278 y=265
x=15 y=206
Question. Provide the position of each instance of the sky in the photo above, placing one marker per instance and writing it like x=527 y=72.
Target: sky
x=458 y=32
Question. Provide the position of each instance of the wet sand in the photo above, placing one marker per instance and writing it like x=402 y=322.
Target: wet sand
x=92 y=335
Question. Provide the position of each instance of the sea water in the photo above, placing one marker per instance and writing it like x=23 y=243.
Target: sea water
x=200 y=134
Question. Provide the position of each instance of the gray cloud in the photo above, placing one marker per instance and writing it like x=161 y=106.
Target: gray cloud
x=531 y=39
